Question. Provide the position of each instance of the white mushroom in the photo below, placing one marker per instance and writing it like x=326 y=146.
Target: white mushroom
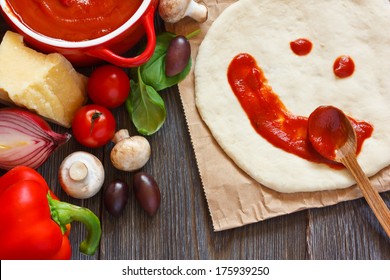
x=129 y=153
x=81 y=175
x=174 y=10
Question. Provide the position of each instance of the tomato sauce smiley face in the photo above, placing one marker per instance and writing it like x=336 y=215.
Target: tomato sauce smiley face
x=270 y=118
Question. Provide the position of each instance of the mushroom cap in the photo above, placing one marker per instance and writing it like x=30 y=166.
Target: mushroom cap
x=172 y=10
x=131 y=153
x=81 y=175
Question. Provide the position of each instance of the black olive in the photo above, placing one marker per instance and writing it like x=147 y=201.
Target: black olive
x=178 y=56
x=115 y=197
x=147 y=192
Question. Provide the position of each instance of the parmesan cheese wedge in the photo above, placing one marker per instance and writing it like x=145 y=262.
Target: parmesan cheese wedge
x=45 y=84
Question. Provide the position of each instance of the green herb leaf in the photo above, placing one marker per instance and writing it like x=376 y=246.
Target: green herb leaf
x=146 y=107
x=144 y=104
x=153 y=71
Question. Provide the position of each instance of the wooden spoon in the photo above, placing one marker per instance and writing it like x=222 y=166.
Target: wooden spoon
x=333 y=136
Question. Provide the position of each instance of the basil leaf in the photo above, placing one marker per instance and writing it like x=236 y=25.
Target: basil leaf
x=144 y=104
x=153 y=64
x=146 y=107
x=153 y=71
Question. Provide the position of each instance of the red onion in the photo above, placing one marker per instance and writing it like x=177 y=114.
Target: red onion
x=26 y=139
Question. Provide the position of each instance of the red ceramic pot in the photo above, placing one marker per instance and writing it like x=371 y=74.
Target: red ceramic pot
x=109 y=47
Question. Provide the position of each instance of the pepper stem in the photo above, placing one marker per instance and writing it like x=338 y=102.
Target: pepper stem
x=64 y=213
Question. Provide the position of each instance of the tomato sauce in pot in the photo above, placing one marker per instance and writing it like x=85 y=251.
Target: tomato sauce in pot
x=74 y=20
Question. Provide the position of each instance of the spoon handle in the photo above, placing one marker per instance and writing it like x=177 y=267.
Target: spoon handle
x=371 y=195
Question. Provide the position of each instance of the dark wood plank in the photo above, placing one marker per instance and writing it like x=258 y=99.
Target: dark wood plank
x=348 y=230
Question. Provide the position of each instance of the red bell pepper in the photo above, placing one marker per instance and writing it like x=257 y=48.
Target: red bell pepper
x=34 y=223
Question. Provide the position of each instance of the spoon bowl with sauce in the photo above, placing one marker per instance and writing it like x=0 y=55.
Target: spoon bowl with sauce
x=333 y=136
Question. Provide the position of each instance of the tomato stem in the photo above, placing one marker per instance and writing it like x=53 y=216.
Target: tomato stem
x=95 y=116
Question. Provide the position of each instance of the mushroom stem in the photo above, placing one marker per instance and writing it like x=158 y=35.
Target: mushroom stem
x=120 y=135
x=196 y=11
x=78 y=171
x=174 y=10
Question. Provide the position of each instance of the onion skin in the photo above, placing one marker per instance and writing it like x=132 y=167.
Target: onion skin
x=26 y=139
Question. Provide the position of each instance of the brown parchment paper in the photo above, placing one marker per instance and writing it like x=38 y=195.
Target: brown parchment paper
x=234 y=198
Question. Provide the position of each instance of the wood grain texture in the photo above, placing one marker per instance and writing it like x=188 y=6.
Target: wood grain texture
x=182 y=228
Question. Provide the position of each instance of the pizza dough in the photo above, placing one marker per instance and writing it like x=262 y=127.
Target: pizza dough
x=265 y=29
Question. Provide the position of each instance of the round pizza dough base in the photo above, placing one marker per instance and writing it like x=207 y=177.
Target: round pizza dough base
x=264 y=29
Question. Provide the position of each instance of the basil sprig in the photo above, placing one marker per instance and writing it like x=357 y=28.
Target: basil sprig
x=145 y=105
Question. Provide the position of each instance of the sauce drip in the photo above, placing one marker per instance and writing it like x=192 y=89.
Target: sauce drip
x=74 y=20
x=301 y=46
x=343 y=66
x=270 y=118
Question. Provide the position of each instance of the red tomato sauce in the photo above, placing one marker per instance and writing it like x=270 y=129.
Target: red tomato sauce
x=301 y=46
x=343 y=66
x=270 y=118
x=74 y=20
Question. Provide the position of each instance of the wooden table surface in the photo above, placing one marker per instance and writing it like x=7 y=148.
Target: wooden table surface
x=182 y=228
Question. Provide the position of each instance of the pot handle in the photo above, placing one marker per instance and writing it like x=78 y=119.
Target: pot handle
x=109 y=56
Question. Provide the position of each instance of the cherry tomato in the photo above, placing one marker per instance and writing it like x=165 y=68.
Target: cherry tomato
x=93 y=126
x=108 y=86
